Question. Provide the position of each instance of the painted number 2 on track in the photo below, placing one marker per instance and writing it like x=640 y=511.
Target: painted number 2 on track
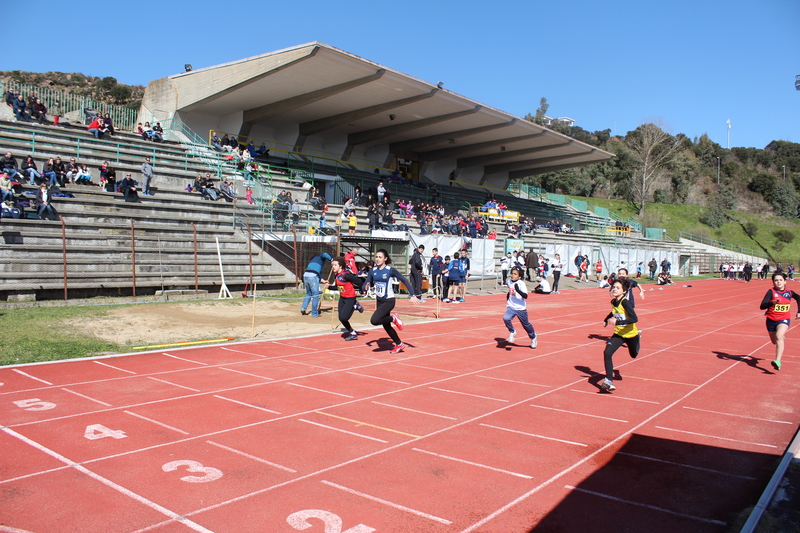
x=333 y=524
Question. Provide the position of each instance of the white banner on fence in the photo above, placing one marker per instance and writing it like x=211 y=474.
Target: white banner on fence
x=613 y=258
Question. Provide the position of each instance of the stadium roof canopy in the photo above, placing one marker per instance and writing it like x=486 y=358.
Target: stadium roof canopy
x=316 y=97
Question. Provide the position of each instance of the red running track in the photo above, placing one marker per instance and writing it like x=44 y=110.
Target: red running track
x=459 y=433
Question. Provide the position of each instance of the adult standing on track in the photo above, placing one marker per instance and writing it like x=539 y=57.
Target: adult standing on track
x=557 y=266
x=778 y=303
x=311 y=282
x=623 y=318
x=415 y=267
x=381 y=278
x=532 y=262
x=346 y=282
x=652 y=265
x=435 y=268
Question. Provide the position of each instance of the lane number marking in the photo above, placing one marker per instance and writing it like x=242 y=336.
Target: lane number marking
x=211 y=474
x=99 y=431
x=34 y=404
x=332 y=522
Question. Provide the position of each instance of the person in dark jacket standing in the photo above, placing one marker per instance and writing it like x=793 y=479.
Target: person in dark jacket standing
x=531 y=262
x=415 y=266
x=311 y=279
x=652 y=265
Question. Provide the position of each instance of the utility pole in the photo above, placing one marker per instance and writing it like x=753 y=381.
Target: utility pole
x=717 y=170
x=784 y=172
x=729 y=134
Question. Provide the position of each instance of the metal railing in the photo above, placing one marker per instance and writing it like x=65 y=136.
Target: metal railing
x=724 y=245
x=73 y=105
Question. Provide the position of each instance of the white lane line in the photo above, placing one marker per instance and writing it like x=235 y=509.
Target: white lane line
x=473 y=464
x=577 y=413
x=646 y=505
x=34 y=474
x=468 y=394
x=247 y=404
x=109 y=483
x=415 y=411
x=305 y=364
x=245 y=373
x=386 y=502
x=535 y=435
x=9 y=529
x=87 y=397
x=715 y=437
x=376 y=377
x=184 y=359
x=114 y=367
x=342 y=430
x=157 y=422
x=685 y=465
x=613 y=396
x=253 y=457
x=241 y=351
x=739 y=416
x=514 y=381
x=321 y=390
x=430 y=368
x=29 y=376
x=173 y=384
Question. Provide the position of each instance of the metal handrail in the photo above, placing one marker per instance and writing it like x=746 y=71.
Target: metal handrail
x=718 y=244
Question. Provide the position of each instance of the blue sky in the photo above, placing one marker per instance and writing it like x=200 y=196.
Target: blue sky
x=614 y=64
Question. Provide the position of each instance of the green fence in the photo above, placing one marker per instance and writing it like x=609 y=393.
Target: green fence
x=580 y=205
x=73 y=106
x=601 y=211
x=559 y=199
x=654 y=234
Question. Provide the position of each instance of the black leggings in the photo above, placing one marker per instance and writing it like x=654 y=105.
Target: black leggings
x=556 y=277
x=613 y=345
x=383 y=317
x=346 y=308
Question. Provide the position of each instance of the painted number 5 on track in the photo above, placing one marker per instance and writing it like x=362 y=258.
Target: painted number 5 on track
x=332 y=522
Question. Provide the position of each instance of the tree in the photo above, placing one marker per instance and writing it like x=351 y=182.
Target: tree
x=784 y=199
x=541 y=111
x=107 y=83
x=652 y=150
x=121 y=93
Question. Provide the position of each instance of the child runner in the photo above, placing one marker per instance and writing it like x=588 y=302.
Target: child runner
x=516 y=307
x=557 y=266
x=623 y=318
x=778 y=303
x=381 y=277
x=454 y=279
x=346 y=282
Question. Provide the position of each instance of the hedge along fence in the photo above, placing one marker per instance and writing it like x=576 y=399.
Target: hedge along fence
x=71 y=104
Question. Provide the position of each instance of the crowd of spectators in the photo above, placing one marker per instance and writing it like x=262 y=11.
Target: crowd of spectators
x=209 y=190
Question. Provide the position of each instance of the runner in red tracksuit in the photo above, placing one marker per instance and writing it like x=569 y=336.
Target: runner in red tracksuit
x=778 y=303
x=347 y=283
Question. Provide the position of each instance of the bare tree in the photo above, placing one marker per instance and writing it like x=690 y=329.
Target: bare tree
x=652 y=151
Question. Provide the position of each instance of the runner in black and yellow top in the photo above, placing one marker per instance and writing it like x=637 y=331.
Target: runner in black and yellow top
x=778 y=303
x=623 y=318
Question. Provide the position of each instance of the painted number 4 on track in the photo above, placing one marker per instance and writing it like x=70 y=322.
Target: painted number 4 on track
x=332 y=522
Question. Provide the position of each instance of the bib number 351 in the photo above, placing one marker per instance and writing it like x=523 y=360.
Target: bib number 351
x=332 y=522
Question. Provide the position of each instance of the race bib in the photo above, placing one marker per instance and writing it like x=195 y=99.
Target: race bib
x=781 y=308
x=380 y=289
x=619 y=316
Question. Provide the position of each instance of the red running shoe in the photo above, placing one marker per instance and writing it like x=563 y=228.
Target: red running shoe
x=399 y=348
x=397 y=322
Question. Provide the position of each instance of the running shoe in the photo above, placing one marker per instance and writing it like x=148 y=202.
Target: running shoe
x=399 y=348
x=607 y=384
x=447 y=300
x=461 y=299
x=397 y=322
x=776 y=364
x=359 y=307
x=535 y=342
x=511 y=337
x=352 y=337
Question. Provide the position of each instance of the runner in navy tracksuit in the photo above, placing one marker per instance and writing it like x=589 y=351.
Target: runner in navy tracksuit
x=380 y=277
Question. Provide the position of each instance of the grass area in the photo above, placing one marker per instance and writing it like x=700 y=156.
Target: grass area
x=677 y=218
x=44 y=334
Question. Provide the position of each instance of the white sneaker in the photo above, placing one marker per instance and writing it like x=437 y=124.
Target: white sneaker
x=511 y=337
x=608 y=385
x=535 y=342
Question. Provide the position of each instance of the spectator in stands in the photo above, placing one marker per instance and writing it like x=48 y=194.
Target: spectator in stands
x=349 y=205
x=147 y=176
x=249 y=196
x=29 y=168
x=151 y=134
x=6 y=191
x=44 y=203
x=263 y=151
x=39 y=111
x=56 y=111
x=357 y=196
x=215 y=141
x=9 y=164
x=128 y=187
x=226 y=143
x=49 y=173
x=226 y=190
x=251 y=149
x=20 y=109
x=381 y=192
x=108 y=124
x=352 y=223
x=295 y=212
x=60 y=171
x=211 y=190
x=158 y=132
x=73 y=169
x=103 y=171
x=111 y=180
x=9 y=97
x=83 y=177
x=96 y=128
